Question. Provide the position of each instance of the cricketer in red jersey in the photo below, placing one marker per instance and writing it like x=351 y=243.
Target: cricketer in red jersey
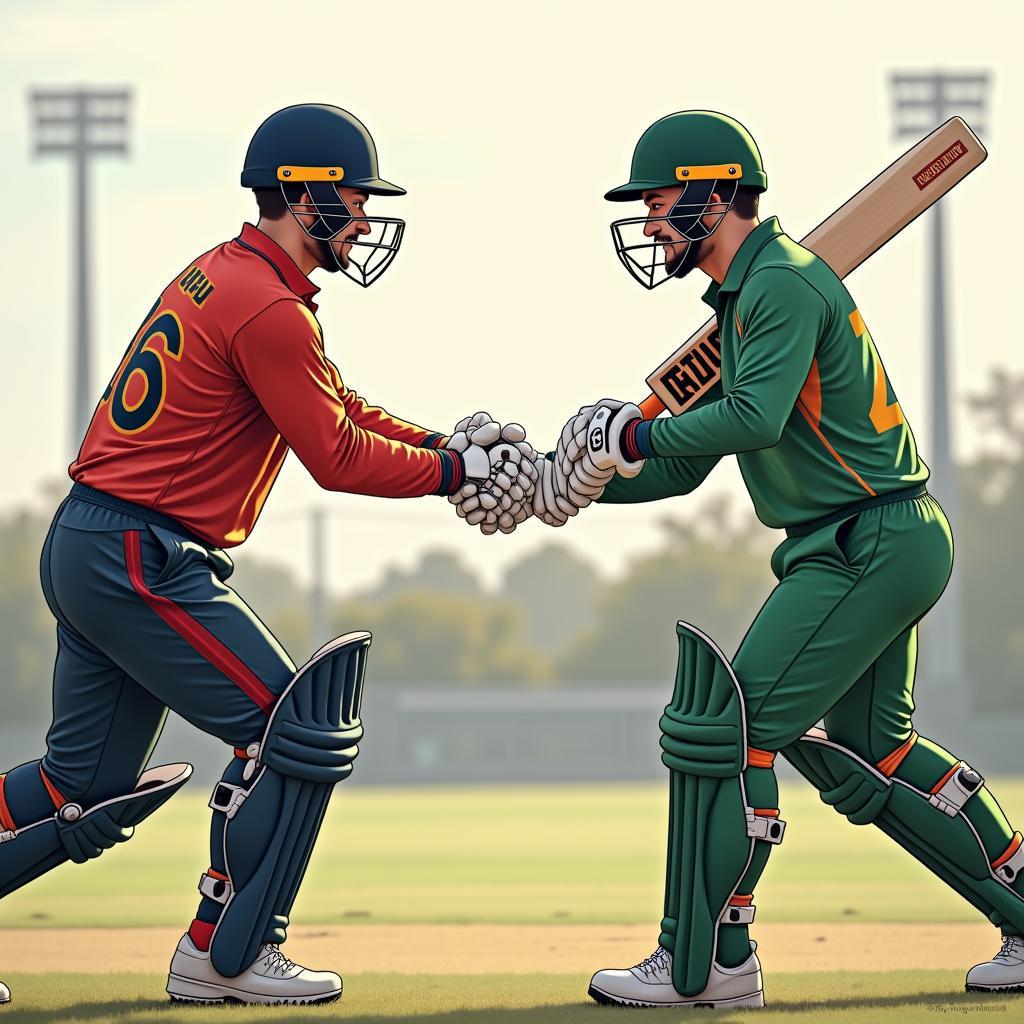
x=226 y=373
x=239 y=377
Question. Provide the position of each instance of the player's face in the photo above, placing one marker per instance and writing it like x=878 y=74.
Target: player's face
x=681 y=255
x=355 y=200
x=659 y=203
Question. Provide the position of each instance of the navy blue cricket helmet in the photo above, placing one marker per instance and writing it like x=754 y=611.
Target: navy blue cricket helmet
x=320 y=147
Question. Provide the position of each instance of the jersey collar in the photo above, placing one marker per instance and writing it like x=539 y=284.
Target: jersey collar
x=287 y=269
x=737 y=272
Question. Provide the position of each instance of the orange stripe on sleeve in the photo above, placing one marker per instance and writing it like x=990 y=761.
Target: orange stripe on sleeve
x=810 y=393
x=835 y=455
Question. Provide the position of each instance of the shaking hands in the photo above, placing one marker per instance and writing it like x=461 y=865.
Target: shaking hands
x=508 y=481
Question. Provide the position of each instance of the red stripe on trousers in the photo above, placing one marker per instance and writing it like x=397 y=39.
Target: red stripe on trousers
x=6 y=821
x=194 y=633
x=55 y=794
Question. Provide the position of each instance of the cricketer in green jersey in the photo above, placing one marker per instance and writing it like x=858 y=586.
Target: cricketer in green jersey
x=826 y=452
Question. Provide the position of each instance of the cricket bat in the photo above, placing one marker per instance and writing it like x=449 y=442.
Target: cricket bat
x=859 y=228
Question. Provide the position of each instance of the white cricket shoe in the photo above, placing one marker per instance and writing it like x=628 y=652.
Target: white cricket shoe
x=1003 y=973
x=272 y=978
x=5 y=994
x=650 y=984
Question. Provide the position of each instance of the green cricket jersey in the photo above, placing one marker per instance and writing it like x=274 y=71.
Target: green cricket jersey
x=804 y=401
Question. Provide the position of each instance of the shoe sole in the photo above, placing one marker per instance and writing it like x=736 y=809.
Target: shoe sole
x=189 y=991
x=753 y=1001
x=995 y=988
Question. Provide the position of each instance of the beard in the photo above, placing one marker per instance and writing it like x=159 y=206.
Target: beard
x=680 y=266
x=325 y=253
x=328 y=259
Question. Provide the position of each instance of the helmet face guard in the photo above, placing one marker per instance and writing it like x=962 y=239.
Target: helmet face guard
x=370 y=253
x=644 y=257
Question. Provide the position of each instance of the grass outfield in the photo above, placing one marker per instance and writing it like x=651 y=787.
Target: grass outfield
x=912 y=998
x=501 y=854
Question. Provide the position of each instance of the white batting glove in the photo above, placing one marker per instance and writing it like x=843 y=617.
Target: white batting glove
x=499 y=464
x=551 y=503
x=477 y=468
x=472 y=504
x=465 y=424
x=511 y=481
x=603 y=450
x=586 y=484
x=575 y=427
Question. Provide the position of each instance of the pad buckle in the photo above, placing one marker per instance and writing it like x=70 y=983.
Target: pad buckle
x=228 y=798
x=217 y=889
x=252 y=752
x=766 y=827
x=1007 y=872
x=6 y=837
x=69 y=813
x=738 y=915
x=961 y=785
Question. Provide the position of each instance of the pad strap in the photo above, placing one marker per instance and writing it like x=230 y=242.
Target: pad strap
x=740 y=910
x=765 y=823
x=216 y=886
x=228 y=798
x=1011 y=863
x=250 y=755
x=955 y=788
x=891 y=762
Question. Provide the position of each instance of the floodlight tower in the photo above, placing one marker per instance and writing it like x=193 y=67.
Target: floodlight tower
x=923 y=100
x=80 y=123
x=318 y=590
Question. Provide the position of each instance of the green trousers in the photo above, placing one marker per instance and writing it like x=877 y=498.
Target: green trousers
x=837 y=640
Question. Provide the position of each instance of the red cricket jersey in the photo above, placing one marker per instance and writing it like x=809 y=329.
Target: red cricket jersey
x=226 y=373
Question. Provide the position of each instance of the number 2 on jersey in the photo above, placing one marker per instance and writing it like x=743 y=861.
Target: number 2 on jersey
x=883 y=415
x=137 y=392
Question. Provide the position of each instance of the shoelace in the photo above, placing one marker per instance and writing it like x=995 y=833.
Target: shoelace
x=1013 y=947
x=655 y=963
x=276 y=960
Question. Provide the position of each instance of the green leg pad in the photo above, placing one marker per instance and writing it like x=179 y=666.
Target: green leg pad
x=704 y=747
x=948 y=846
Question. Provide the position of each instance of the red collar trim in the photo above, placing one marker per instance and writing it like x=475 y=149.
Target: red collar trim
x=289 y=270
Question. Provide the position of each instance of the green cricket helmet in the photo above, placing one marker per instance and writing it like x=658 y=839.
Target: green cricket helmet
x=703 y=152
x=314 y=148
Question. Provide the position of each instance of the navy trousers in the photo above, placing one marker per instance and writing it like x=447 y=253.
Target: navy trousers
x=145 y=622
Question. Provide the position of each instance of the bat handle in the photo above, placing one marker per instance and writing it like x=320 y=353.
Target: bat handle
x=652 y=406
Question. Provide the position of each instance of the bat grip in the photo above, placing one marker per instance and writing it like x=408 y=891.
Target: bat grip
x=652 y=406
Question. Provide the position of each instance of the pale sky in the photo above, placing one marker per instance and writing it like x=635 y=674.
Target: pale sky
x=506 y=124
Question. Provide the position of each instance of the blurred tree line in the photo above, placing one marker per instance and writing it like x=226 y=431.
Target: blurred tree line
x=553 y=620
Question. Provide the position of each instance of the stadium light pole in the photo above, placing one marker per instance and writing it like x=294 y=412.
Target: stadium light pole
x=80 y=123
x=318 y=591
x=922 y=101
